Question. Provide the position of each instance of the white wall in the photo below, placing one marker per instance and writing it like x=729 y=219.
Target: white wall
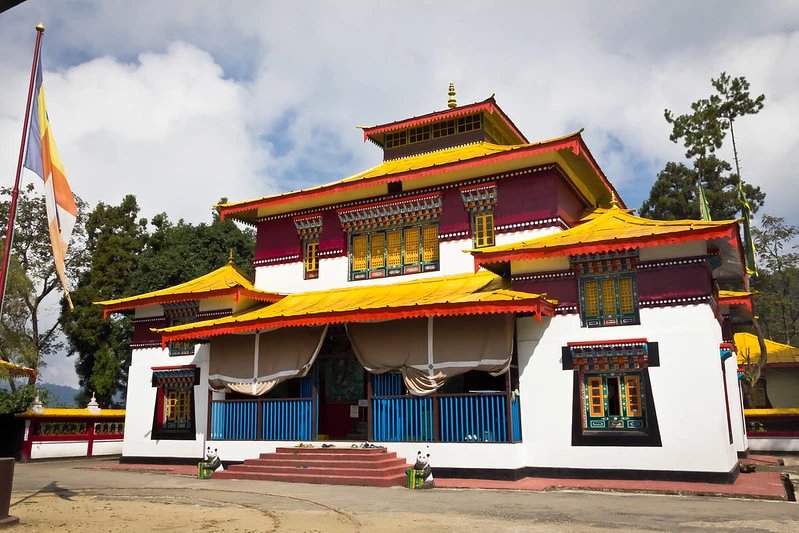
x=736 y=405
x=686 y=387
x=782 y=386
x=51 y=450
x=141 y=405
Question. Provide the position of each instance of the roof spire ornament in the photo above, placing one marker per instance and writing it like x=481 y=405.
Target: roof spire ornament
x=451 y=103
x=614 y=204
x=230 y=259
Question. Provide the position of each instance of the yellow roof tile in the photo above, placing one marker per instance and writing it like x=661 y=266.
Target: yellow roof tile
x=747 y=344
x=222 y=280
x=478 y=293
x=581 y=170
x=14 y=371
x=616 y=226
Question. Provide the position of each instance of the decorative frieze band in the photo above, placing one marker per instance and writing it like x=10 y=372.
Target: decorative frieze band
x=406 y=212
x=276 y=260
x=666 y=263
x=309 y=228
x=480 y=198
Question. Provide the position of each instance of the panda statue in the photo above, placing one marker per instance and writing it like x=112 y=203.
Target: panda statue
x=424 y=474
x=213 y=461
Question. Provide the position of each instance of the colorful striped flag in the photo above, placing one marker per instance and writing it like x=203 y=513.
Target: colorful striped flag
x=42 y=158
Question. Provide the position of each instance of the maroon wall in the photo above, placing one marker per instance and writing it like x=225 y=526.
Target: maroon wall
x=276 y=238
x=570 y=207
x=526 y=198
x=563 y=289
x=674 y=281
x=142 y=333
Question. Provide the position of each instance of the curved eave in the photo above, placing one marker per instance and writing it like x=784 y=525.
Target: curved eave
x=487 y=259
x=574 y=158
x=10 y=370
x=537 y=307
x=237 y=292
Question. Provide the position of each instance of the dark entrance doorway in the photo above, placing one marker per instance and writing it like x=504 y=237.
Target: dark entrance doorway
x=341 y=384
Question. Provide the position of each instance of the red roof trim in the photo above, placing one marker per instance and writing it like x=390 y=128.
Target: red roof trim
x=745 y=301
x=236 y=292
x=538 y=307
x=487 y=105
x=569 y=143
x=174 y=367
x=604 y=246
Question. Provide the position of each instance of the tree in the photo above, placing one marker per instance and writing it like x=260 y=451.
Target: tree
x=114 y=237
x=674 y=195
x=27 y=340
x=177 y=253
x=702 y=131
x=777 y=283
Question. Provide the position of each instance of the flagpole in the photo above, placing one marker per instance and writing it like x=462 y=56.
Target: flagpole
x=12 y=212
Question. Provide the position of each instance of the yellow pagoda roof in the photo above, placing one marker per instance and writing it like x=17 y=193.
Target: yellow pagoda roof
x=776 y=353
x=615 y=228
x=224 y=281
x=480 y=293
x=435 y=168
x=10 y=370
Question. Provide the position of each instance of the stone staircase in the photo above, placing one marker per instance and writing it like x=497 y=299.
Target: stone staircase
x=338 y=465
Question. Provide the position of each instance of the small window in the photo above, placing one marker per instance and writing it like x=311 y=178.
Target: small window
x=483 y=230
x=394 y=248
x=377 y=251
x=311 y=260
x=430 y=243
x=412 y=245
x=174 y=415
x=608 y=292
x=613 y=402
x=359 y=254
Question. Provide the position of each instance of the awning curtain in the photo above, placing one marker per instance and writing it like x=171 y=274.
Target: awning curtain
x=428 y=351
x=254 y=364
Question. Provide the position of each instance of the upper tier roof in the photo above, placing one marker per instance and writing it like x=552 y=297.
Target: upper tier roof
x=445 y=166
x=10 y=370
x=480 y=293
x=616 y=229
x=225 y=281
x=488 y=107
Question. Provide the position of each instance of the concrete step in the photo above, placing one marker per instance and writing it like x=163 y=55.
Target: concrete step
x=333 y=450
x=304 y=469
x=323 y=461
x=294 y=477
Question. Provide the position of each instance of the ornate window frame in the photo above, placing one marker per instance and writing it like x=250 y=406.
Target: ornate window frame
x=607 y=288
x=393 y=238
x=309 y=230
x=174 y=413
x=600 y=417
x=178 y=313
x=480 y=201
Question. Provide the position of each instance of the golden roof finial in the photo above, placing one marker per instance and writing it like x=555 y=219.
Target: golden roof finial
x=613 y=202
x=40 y=27
x=451 y=103
x=230 y=259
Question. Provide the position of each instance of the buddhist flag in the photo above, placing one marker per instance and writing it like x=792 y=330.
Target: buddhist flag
x=42 y=158
x=749 y=245
x=704 y=209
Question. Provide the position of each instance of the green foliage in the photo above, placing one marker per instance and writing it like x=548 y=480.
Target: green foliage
x=115 y=236
x=777 y=300
x=127 y=260
x=18 y=400
x=675 y=195
x=733 y=98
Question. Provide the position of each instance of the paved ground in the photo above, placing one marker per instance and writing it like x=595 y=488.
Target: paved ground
x=73 y=496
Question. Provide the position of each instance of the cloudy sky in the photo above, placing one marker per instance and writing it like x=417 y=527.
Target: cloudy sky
x=182 y=103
